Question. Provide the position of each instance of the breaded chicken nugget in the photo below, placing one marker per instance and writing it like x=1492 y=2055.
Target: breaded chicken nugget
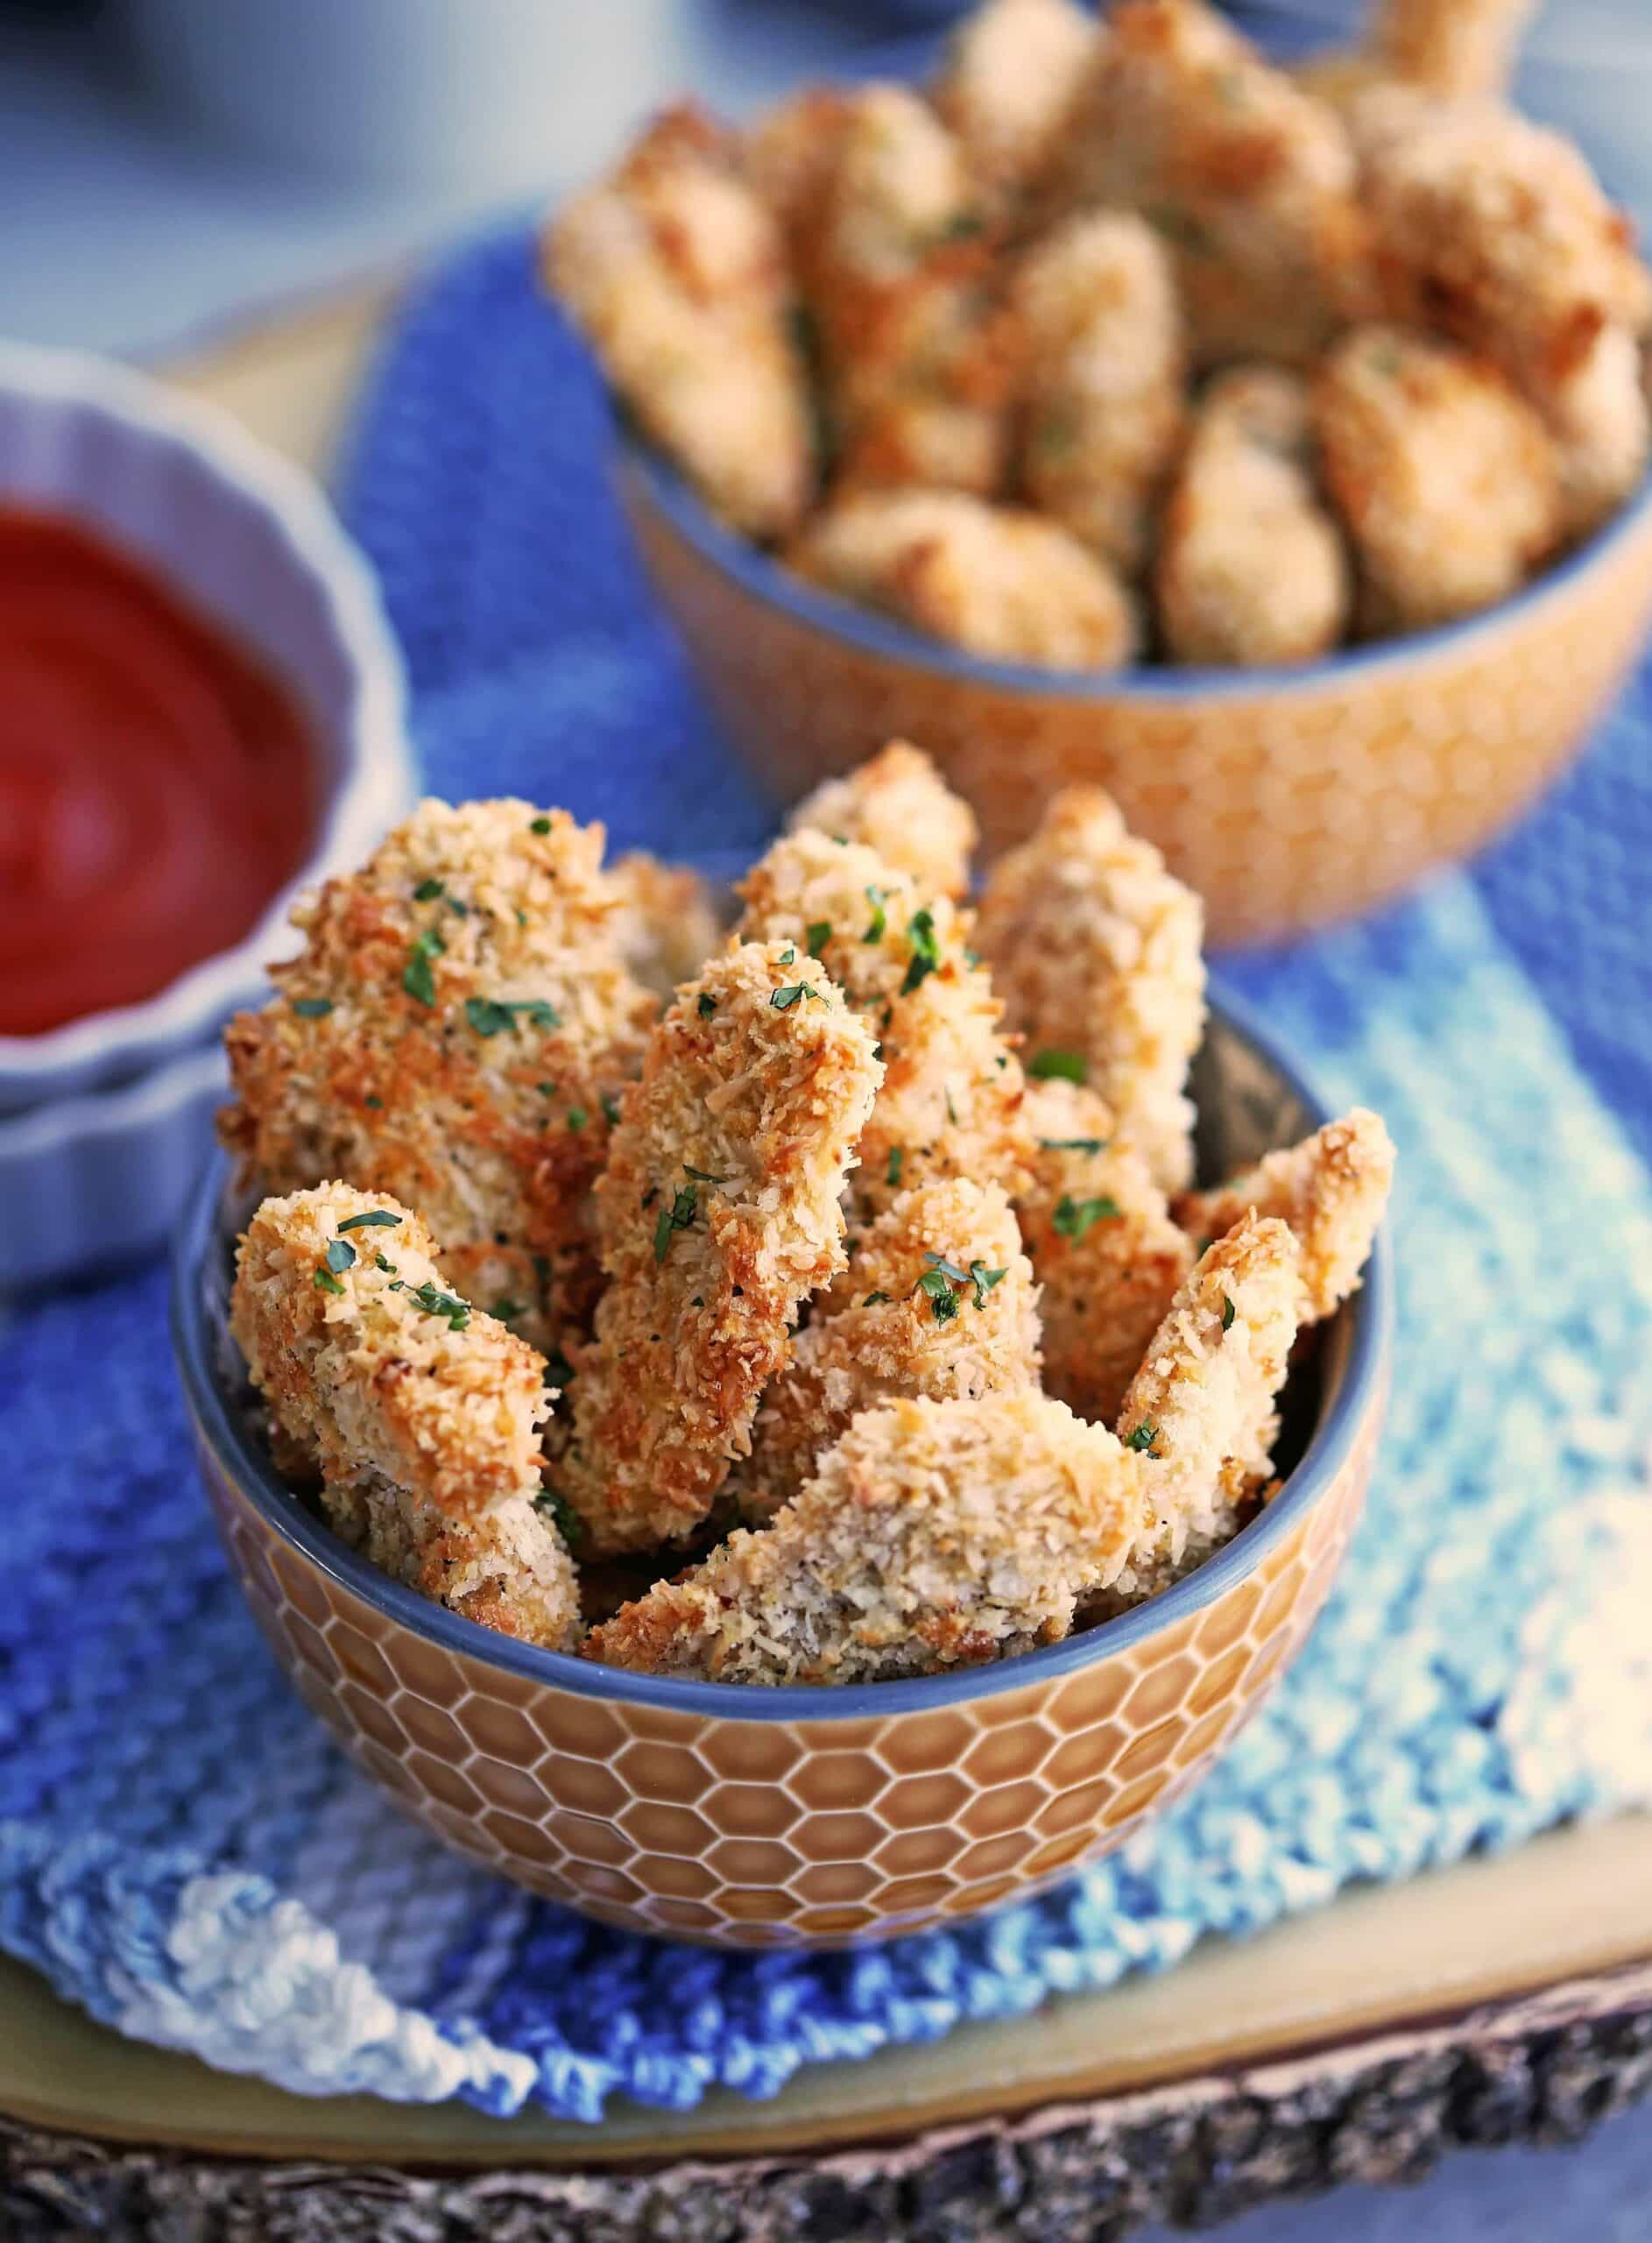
x=791 y=152
x=1095 y=950
x=665 y=926
x=1250 y=568
x=1011 y=73
x=1250 y=179
x=950 y=1101
x=898 y=803
x=1444 y=477
x=1106 y=375
x=934 y=1535
x=1107 y=1256
x=1332 y=1189
x=455 y=1031
x=422 y=1413
x=1200 y=1410
x=676 y=273
x=938 y=1300
x=1597 y=415
x=1457 y=47
x=997 y=581
x=719 y=1213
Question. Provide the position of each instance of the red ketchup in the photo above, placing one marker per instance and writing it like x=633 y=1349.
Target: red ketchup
x=158 y=785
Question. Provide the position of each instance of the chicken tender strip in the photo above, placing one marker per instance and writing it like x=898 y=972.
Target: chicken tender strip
x=934 y=1535
x=1332 y=1189
x=1012 y=71
x=897 y=805
x=1460 y=48
x=997 y=581
x=1597 y=414
x=1250 y=179
x=938 y=1301
x=719 y=1213
x=664 y=926
x=950 y=1101
x=1095 y=950
x=791 y=152
x=1251 y=569
x=422 y=1413
x=1446 y=479
x=1106 y=373
x=1200 y=1410
x=1107 y=1256
x=676 y=273
x=455 y=1031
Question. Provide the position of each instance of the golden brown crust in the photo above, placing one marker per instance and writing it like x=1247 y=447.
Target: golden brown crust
x=1107 y=1256
x=1012 y=71
x=455 y=1031
x=897 y=805
x=938 y=1301
x=935 y=1534
x=1095 y=950
x=719 y=1215
x=1462 y=48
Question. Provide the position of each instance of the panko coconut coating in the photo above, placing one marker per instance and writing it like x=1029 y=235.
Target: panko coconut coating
x=1597 y=415
x=665 y=925
x=898 y=803
x=1200 y=1409
x=938 y=1301
x=791 y=152
x=934 y=1535
x=1332 y=1189
x=1095 y=950
x=421 y=1413
x=1107 y=1256
x=676 y=272
x=1444 y=477
x=1106 y=380
x=455 y=1031
x=719 y=1212
x=1461 y=48
x=1250 y=179
x=1012 y=71
x=950 y=1100
x=1251 y=569
x=997 y=581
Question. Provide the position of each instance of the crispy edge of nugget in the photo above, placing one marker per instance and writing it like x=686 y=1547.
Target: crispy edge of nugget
x=1011 y=73
x=1094 y=949
x=1107 y=1256
x=719 y=1210
x=938 y=1301
x=665 y=925
x=1331 y=1188
x=897 y=803
x=933 y=1535
x=1464 y=49
x=1200 y=1408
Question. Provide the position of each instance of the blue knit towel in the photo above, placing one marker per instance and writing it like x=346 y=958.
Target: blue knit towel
x=183 y=1852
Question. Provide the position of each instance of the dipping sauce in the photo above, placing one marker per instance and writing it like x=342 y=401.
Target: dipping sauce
x=158 y=785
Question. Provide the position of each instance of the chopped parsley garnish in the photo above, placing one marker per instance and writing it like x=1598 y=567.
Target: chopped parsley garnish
x=539 y=826
x=926 y=954
x=427 y=891
x=312 y=1007
x=702 y=1175
x=1384 y=359
x=381 y=1261
x=610 y=1109
x=493 y=1015
x=546 y=1089
x=506 y=1309
x=788 y=956
x=558 y=1370
x=707 y=1006
x=1073 y=1217
x=1228 y=1314
x=1056 y=433
x=1143 y=1438
x=1059 y=1066
x=577 y=1117
x=962 y=227
x=984 y=1280
x=1073 y=1144
x=375 y=1219
x=873 y=1299
x=340 y=1254
x=678 y=1216
x=793 y=993
x=435 y=1302
x=561 y=1514
x=943 y=1302
x=463 y=910
x=949 y=1270
x=377 y=1103
x=820 y=933
x=880 y=916
x=326 y=1280
x=416 y=977
x=897 y=1161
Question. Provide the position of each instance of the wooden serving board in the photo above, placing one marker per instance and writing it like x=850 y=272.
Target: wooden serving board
x=1505 y=1999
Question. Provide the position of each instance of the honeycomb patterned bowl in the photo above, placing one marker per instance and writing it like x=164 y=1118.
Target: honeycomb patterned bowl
x=1286 y=798
x=807 y=1817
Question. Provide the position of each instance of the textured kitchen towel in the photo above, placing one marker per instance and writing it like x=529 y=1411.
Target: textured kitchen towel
x=183 y=1852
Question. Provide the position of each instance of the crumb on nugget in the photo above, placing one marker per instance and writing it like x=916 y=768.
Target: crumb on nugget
x=898 y=803
x=1095 y=950
x=938 y=1301
x=934 y=1535
x=719 y=1212
x=422 y=1413
x=997 y=581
